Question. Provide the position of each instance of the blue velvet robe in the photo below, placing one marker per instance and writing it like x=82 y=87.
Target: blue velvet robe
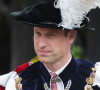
x=34 y=77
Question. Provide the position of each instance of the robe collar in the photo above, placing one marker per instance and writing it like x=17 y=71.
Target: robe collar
x=65 y=75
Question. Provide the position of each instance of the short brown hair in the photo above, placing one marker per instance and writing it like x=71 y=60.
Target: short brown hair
x=66 y=32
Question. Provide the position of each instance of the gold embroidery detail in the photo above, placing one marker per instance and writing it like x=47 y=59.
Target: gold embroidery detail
x=18 y=83
x=90 y=80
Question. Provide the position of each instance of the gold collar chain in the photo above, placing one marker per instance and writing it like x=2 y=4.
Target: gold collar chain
x=18 y=83
x=66 y=88
x=90 y=80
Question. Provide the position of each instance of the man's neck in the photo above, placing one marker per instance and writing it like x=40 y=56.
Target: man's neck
x=58 y=65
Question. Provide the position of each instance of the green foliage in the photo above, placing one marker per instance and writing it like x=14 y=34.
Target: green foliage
x=77 y=51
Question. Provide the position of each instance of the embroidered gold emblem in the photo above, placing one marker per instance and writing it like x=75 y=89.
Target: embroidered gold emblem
x=90 y=80
x=18 y=83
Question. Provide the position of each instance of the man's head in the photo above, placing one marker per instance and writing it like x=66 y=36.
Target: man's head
x=53 y=45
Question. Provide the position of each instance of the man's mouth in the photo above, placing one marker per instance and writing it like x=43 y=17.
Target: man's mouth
x=43 y=52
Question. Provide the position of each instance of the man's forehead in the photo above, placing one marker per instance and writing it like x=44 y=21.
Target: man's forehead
x=48 y=29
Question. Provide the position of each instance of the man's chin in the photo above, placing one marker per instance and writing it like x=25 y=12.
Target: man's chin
x=44 y=60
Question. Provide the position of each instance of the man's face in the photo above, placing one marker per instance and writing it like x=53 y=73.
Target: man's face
x=51 y=45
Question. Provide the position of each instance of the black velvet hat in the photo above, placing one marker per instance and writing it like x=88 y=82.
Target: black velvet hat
x=49 y=15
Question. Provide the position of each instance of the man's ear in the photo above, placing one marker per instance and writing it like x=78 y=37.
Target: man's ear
x=71 y=36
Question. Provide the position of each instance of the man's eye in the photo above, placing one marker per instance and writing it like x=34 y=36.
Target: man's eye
x=51 y=34
x=38 y=33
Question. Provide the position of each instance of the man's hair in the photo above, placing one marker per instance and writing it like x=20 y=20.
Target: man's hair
x=66 y=32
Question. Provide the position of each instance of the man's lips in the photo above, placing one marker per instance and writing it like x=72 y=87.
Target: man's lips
x=43 y=52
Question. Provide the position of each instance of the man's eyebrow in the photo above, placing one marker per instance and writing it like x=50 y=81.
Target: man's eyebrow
x=53 y=32
x=36 y=30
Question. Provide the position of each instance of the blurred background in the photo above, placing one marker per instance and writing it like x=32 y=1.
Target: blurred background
x=16 y=39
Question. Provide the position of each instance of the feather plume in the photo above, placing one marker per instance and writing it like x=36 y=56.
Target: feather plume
x=74 y=11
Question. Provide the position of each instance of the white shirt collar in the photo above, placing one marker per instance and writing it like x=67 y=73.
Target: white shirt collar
x=60 y=70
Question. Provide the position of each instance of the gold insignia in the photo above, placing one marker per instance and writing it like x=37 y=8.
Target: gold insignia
x=55 y=80
x=18 y=83
x=90 y=80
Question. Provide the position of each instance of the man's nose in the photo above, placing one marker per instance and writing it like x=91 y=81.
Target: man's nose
x=42 y=42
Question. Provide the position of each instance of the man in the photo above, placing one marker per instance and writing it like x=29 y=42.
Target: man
x=54 y=32
x=53 y=46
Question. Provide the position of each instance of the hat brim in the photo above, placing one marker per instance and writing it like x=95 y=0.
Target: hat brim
x=55 y=26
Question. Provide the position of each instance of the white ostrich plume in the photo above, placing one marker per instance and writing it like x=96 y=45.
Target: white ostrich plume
x=74 y=11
